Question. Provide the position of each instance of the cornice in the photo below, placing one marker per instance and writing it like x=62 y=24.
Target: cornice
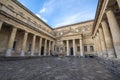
x=73 y=24
x=26 y=9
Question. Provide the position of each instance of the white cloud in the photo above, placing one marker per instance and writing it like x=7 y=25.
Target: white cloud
x=42 y=10
x=38 y=15
x=64 y=12
x=68 y=20
x=74 y=18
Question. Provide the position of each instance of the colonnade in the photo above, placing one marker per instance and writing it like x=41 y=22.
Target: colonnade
x=74 y=47
x=107 y=37
x=24 y=43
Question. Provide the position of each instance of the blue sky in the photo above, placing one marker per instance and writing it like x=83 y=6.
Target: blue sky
x=62 y=12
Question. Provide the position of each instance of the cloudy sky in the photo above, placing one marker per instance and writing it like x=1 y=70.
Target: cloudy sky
x=62 y=12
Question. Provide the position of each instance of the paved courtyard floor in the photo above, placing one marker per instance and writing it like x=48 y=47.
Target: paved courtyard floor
x=54 y=68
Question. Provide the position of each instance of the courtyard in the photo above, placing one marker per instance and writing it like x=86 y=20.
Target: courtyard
x=54 y=68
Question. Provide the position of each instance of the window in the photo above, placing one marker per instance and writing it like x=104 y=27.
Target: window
x=78 y=48
x=85 y=48
x=91 y=48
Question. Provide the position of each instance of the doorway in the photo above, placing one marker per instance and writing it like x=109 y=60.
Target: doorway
x=71 y=51
x=42 y=51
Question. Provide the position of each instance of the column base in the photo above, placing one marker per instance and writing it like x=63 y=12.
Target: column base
x=8 y=52
x=39 y=54
x=44 y=54
x=104 y=53
x=22 y=53
x=111 y=53
x=117 y=50
x=99 y=54
x=81 y=54
x=32 y=53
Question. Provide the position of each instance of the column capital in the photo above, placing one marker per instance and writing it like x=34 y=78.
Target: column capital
x=118 y=1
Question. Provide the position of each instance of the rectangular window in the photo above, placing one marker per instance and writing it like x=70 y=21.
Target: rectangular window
x=78 y=48
x=85 y=48
x=91 y=48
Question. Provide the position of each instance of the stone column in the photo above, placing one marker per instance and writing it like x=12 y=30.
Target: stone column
x=99 y=45
x=81 y=47
x=40 y=45
x=118 y=1
x=11 y=42
x=102 y=40
x=53 y=44
x=33 y=45
x=115 y=31
x=68 y=52
x=49 y=47
x=45 y=47
x=24 y=44
x=108 y=39
x=1 y=23
x=96 y=45
x=74 y=47
x=88 y=49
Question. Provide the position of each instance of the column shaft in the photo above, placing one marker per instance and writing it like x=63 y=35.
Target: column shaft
x=108 y=39
x=11 y=42
x=49 y=48
x=99 y=45
x=115 y=31
x=33 y=45
x=24 y=44
x=102 y=40
x=1 y=23
x=81 y=47
x=53 y=44
x=40 y=45
x=67 y=47
x=74 y=52
x=96 y=45
x=45 y=47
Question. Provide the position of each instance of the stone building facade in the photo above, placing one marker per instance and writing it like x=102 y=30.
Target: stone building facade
x=75 y=39
x=22 y=33
x=107 y=29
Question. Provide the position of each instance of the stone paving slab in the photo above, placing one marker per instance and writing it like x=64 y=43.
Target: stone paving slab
x=55 y=68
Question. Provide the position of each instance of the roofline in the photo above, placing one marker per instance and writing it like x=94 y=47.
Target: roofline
x=73 y=24
x=26 y=9
x=97 y=13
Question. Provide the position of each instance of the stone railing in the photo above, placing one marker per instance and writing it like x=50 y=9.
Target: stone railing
x=112 y=64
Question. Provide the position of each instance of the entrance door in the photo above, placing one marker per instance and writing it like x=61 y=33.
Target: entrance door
x=71 y=51
x=42 y=51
